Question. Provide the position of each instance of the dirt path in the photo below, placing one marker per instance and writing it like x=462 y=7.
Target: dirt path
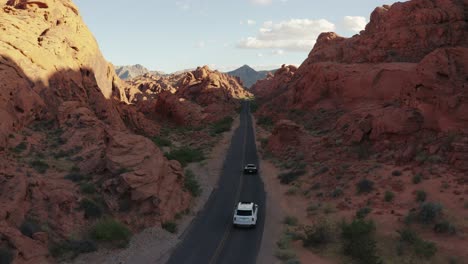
x=154 y=245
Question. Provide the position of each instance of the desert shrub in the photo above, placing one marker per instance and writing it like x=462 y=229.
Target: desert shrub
x=161 y=141
x=291 y=221
x=444 y=227
x=284 y=242
x=29 y=227
x=425 y=249
x=265 y=121
x=337 y=193
x=186 y=155
x=288 y=177
x=110 y=230
x=396 y=173
x=39 y=166
x=292 y=261
x=365 y=186
x=91 y=208
x=417 y=178
x=87 y=188
x=20 y=148
x=389 y=196
x=410 y=239
x=285 y=255
x=222 y=125
x=253 y=106
x=169 y=226
x=322 y=170
x=363 y=212
x=358 y=241
x=363 y=150
x=191 y=183
x=319 y=234
x=421 y=196
x=6 y=256
x=428 y=212
x=72 y=248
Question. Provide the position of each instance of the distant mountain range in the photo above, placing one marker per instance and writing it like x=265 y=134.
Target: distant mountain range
x=248 y=75
x=132 y=71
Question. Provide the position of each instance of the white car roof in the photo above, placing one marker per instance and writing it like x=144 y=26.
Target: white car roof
x=245 y=206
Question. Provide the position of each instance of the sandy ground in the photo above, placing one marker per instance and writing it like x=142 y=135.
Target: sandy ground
x=278 y=206
x=154 y=245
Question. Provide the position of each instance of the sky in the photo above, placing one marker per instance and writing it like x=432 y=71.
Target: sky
x=223 y=34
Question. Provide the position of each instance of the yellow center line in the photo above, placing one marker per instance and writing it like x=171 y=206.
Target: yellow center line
x=227 y=232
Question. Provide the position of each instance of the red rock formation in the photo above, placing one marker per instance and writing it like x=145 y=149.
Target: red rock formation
x=61 y=106
x=188 y=98
x=364 y=77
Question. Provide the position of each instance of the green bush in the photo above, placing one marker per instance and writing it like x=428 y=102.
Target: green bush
x=186 y=155
x=222 y=126
x=39 y=166
x=409 y=238
x=161 y=142
x=363 y=212
x=284 y=242
x=421 y=196
x=397 y=173
x=87 y=188
x=110 y=230
x=91 y=208
x=389 y=196
x=292 y=261
x=417 y=178
x=29 y=227
x=288 y=177
x=6 y=256
x=191 y=184
x=319 y=234
x=265 y=121
x=291 y=221
x=429 y=212
x=20 y=148
x=285 y=255
x=74 y=177
x=359 y=242
x=444 y=227
x=365 y=186
x=72 y=248
x=253 y=106
x=169 y=226
x=337 y=193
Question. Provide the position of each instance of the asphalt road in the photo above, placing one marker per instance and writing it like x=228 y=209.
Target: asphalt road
x=211 y=238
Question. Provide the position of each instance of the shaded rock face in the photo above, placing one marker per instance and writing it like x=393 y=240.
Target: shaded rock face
x=189 y=98
x=421 y=87
x=64 y=117
x=249 y=76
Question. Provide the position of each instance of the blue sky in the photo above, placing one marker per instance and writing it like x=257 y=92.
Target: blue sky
x=175 y=35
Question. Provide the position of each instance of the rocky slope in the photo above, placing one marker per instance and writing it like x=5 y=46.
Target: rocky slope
x=392 y=99
x=248 y=75
x=64 y=127
x=190 y=98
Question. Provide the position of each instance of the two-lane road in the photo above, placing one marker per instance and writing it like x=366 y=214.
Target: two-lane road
x=211 y=238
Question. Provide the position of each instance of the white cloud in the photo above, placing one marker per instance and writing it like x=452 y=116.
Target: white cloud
x=278 y=52
x=184 y=5
x=261 y=2
x=354 y=23
x=293 y=35
x=260 y=55
x=201 y=44
x=251 y=22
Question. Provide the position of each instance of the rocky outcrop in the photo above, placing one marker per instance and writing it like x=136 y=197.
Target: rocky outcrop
x=405 y=74
x=189 y=98
x=402 y=32
x=65 y=121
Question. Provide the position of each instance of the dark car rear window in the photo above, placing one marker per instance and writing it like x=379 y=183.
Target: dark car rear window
x=244 y=213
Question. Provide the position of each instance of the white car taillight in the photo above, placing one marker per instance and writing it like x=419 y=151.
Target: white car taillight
x=253 y=219
x=235 y=219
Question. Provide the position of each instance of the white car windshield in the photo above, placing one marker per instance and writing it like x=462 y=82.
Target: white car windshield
x=244 y=212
